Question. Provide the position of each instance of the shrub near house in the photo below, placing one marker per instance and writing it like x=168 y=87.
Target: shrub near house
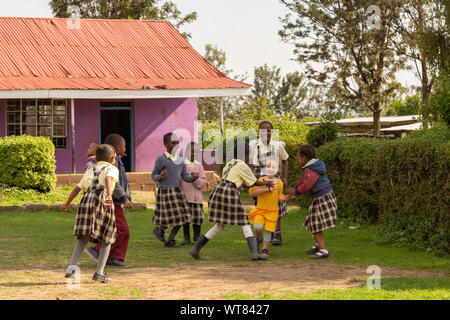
x=27 y=163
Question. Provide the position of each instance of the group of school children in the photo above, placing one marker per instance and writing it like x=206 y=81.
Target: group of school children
x=260 y=165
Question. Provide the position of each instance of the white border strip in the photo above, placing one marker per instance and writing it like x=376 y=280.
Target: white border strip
x=122 y=94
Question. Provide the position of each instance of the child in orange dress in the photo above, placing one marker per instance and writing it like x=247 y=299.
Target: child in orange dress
x=265 y=215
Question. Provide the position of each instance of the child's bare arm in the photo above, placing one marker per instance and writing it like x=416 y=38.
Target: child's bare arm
x=108 y=189
x=72 y=196
x=258 y=191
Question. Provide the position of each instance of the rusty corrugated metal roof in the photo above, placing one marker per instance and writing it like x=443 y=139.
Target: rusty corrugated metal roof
x=45 y=54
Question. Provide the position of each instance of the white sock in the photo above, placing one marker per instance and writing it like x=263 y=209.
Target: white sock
x=214 y=231
x=247 y=231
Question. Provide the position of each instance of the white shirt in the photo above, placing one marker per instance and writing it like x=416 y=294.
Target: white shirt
x=274 y=146
x=110 y=171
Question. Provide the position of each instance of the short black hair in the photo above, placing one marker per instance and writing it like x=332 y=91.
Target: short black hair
x=238 y=147
x=114 y=139
x=307 y=150
x=104 y=152
x=265 y=122
x=168 y=137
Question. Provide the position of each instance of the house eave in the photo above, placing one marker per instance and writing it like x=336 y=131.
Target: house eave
x=123 y=94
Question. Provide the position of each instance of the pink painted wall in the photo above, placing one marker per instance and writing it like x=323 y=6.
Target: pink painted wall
x=156 y=117
x=152 y=119
x=2 y=118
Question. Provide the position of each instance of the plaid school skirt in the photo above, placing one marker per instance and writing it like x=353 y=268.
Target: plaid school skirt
x=196 y=211
x=93 y=218
x=321 y=213
x=283 y=210
x=172 y=208
x=224 y=205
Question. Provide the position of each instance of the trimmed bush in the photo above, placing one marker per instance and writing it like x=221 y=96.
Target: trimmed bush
x=402 y=185
x=27 y=163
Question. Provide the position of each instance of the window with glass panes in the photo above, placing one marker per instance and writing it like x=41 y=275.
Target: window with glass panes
x=38 y=117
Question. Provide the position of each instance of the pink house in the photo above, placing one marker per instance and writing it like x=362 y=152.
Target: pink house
x=77 y=82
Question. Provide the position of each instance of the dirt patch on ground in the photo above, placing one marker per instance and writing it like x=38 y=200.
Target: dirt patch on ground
x=204 y=282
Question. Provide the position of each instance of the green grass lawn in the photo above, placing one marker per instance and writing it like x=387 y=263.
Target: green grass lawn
x=44 y=240
x=18 y=197
x=392 y=288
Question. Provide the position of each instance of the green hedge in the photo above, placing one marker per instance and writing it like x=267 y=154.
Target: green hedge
x=402 y=185
x=27 y=163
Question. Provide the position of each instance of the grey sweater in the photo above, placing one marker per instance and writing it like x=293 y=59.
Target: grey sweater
x=175 y=172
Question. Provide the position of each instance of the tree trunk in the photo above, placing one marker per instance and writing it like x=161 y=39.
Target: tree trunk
x=376 y=122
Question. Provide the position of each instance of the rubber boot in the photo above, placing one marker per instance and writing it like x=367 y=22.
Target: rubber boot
x=186 y=234
x=254 y=249
x=170 y=243
x=197 y=229
x=159 y=234
x=276 y=241
x=200 y=243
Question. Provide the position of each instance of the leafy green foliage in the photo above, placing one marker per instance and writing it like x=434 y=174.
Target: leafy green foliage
x=27 y=163
x=441 y=98
x=408 y=106
x=325 y=132
x=401 y=185
x=125 y=9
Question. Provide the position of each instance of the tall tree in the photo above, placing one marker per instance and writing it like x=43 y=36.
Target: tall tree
x=422 y=26
x=274 y=93
x=125 y=9
x=347 y=46
x=209 y=108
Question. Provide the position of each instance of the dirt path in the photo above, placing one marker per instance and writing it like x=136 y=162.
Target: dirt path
x=204 y=282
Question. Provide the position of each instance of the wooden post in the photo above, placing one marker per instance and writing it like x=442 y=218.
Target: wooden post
x=72 y=122
x=1 y=195
x=221 y=117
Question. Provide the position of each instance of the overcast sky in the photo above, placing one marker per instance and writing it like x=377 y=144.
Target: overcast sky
x=247 y=30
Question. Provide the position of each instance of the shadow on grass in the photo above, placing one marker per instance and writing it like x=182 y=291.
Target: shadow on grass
x=30 y=284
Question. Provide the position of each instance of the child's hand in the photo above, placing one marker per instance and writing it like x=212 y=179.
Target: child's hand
x=288 y=197
x=162 y=174
x=128 y=205
x=194 y=175
x=290 y=192
x=108 y=201
x=63 y=207
x=269 y=184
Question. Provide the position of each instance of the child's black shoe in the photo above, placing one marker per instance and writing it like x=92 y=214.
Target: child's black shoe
x=313 y=249
x=171 y=244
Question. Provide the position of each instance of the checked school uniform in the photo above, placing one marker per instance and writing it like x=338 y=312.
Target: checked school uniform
x=92 y=217
x=322 y=210
x=120 y=196
x=224 y=204
x=193 y=191
x=172 y=208
x=266 y=210
x=259 y=153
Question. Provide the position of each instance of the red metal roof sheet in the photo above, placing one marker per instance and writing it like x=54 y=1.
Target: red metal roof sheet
x=45 y=54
